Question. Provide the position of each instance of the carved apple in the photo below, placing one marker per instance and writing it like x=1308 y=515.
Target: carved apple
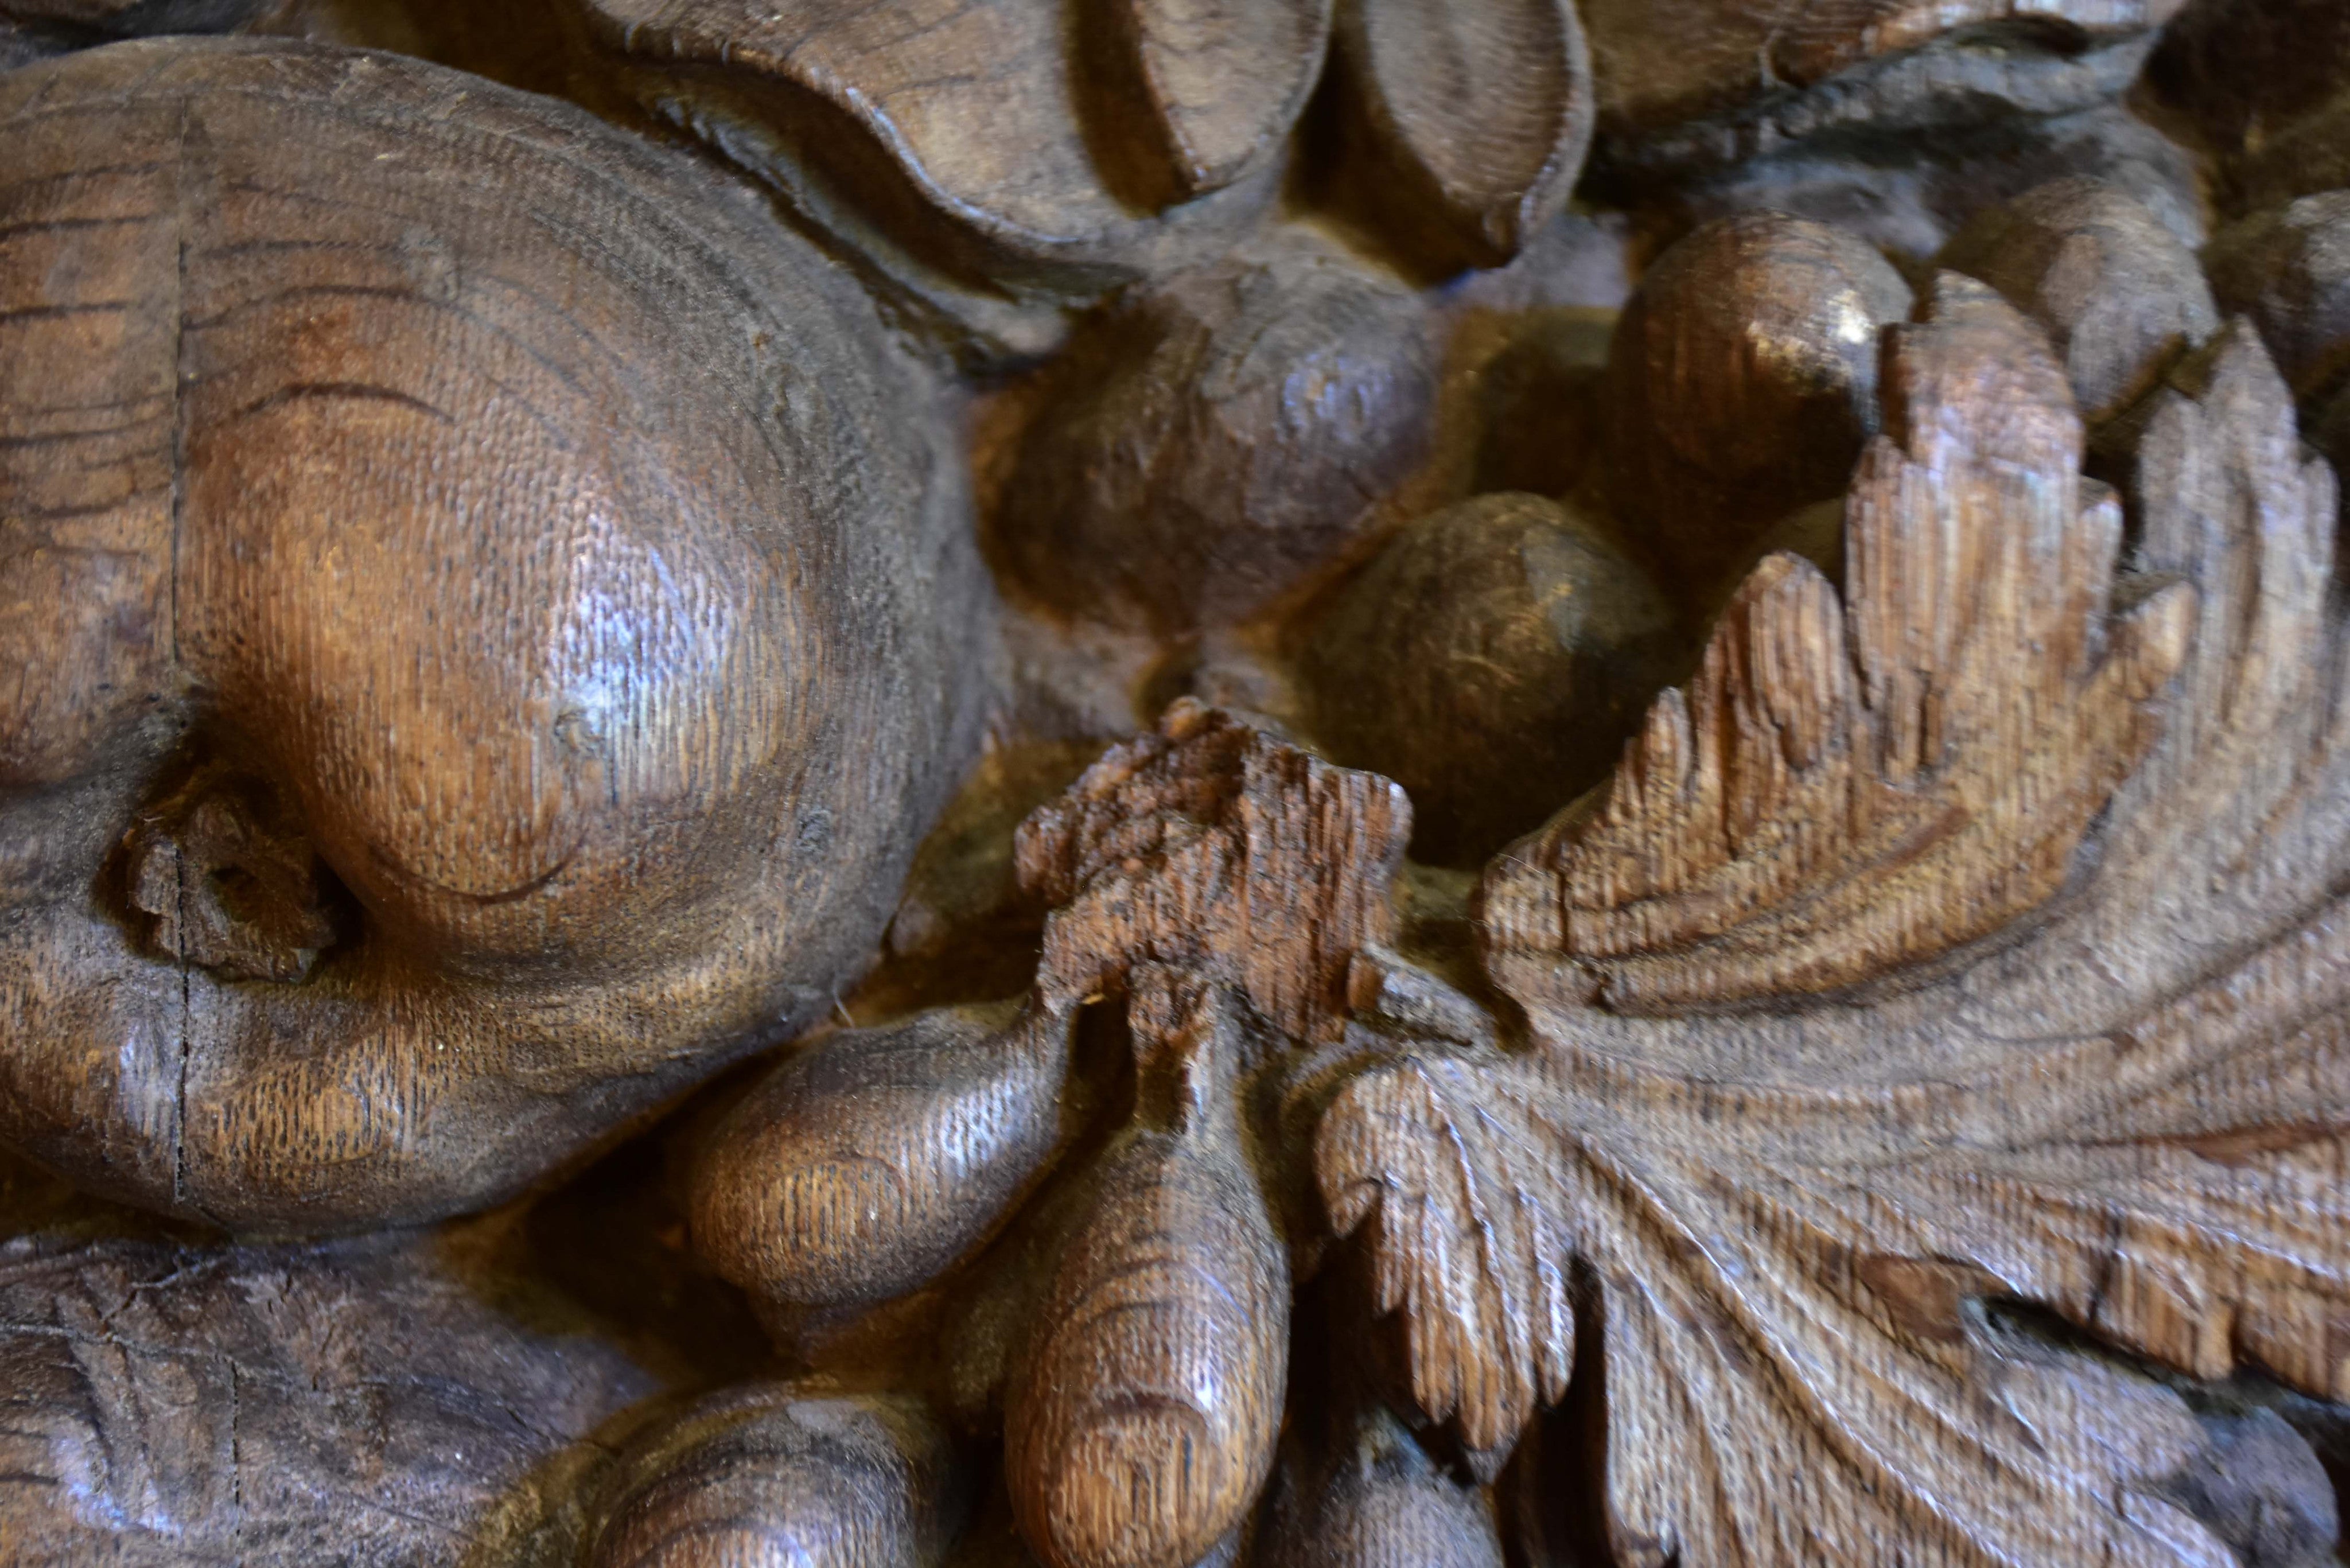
x=479 y=597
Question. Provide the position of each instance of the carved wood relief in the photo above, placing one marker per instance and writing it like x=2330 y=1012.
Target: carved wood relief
x=1313 y=783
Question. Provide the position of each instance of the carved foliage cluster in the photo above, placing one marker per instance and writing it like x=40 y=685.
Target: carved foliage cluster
x=1846 y=788
x=1797 y=1229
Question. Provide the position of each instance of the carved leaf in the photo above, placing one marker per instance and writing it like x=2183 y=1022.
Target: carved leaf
x=1798 y=1367
x=2138 y=1117
x=1482 y=111
x=1849 y=788
x=2235 y=826
x=1225 y=78
x=946 y=139
x=1465 y=1244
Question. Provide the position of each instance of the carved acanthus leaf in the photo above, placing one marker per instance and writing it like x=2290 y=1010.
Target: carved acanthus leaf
x=2137 y=1117
x=1466 y=1244
x=1781 y=1387
x=1850 y=787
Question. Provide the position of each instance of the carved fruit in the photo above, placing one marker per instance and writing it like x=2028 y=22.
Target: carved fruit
x=2117 y=293
x=1221 y=441
x=863 y=1165
x=1853 y=784
x=771 y=1476
x=1491 y=660
x=2289 y=270
x=462 y=564
x=1223 y=80
x=1376 y=1500
x=1743 y=382
x=1143 y=1413
x=1474 y=119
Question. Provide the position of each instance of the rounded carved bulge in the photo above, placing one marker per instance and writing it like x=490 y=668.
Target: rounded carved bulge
x=492 y=605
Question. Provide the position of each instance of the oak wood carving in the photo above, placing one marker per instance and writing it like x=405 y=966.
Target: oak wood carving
x=488 y=618
x=1174 y=784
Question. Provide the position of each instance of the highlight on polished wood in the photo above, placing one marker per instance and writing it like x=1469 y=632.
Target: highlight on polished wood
x=1174 y=784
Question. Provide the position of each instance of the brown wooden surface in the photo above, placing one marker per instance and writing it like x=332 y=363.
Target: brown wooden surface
x=429 y=477
x=1177 y=783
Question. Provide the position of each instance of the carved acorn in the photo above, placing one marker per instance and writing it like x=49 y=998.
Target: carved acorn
x=1211 y=887
x=1142 y=1416
x=864 y=1166
x=1742 y=384
x=1491 y=659
x=491 y=615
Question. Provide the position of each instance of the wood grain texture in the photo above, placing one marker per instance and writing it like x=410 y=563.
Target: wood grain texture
x=559 y=551
x=778 y=1476
x=1491 y=659
x=186 y=1405
x=862 y=1167
x=2289 y=270
x=1214 y=844
x=1696 y=83
x=1478 y=116
x=984 y=162
x=1850 y=787
x=2120 y=298
x=1742 y=385
x=1142 y=1415
x=1372 y=1498
x=1218 y=444
x=1798 y=1225
x=1212 y=890
x=1224 y=79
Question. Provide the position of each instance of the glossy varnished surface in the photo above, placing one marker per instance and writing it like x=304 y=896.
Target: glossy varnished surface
x=555 y=543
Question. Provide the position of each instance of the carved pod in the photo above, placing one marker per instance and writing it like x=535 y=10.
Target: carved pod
x=492 y=612
x=1491 y=659
x=865 y=1165
x=1474 y=119
x=989 y=166
x=1223 y=80
x=1221 y=442
x=769 y=1476
x=1143 y=1412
